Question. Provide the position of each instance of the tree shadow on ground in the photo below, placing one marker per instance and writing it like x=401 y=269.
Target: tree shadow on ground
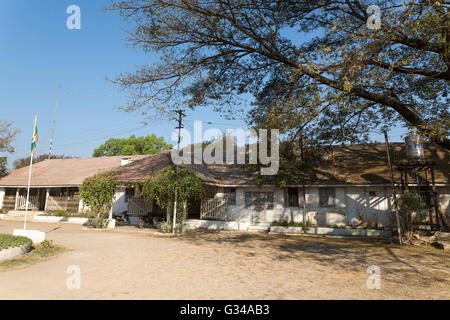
x=399 y=263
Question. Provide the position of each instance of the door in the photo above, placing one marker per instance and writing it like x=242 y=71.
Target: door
x=193 y=209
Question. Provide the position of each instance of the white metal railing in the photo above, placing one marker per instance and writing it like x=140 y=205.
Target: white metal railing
x=138 y=206
x=214 y=209
x=33 y=203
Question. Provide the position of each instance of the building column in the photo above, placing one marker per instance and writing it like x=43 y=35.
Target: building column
x=2 y=197
x=47 y=194
x=80 y=206
x=17 y=198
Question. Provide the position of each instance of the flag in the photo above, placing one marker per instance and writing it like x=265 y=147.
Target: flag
x=35 y=137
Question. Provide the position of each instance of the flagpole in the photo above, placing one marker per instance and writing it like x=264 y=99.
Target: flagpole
x=29 y=179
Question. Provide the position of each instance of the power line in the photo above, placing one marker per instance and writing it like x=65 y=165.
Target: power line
x=96 y=131
x=99 y=138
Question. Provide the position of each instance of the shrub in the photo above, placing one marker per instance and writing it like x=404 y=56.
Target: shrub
x=10 y=241
x=409 y=203
x=166 y=227
x=98 y=192
x=97 y=223
x=47 y=244
x=161 y=189
x=60 y=213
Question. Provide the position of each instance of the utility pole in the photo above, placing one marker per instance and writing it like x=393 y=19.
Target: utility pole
x=180 y=121
x=54 y=122
x=302 y=157
x=394 y=194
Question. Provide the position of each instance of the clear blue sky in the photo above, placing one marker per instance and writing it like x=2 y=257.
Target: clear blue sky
x=38 y=53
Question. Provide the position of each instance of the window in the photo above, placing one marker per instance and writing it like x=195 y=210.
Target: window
x=259 y=201
x=231 y=194
x=129 y=193
x=326 y=197
x=293 y=197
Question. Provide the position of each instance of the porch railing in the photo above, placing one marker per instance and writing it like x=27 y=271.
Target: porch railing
x=214 y=209
x=139 y=206
x=33 y=203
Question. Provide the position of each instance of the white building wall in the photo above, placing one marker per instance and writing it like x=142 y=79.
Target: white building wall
x=119 y=204
x=2 y=196
x=352 y=206
x=444 y=199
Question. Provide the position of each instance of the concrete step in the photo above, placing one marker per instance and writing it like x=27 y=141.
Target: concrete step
x=22 y=213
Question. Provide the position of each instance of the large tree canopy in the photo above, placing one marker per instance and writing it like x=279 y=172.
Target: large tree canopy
x=149 y=144
x=315 y=59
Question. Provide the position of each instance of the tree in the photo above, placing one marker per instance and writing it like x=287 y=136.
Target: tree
x=409 y=203
x=3 y=167
x=149 y=144
x=358 y=75
x=7 y=135
x=24 y=162
x=161 y=189
x=98 y=191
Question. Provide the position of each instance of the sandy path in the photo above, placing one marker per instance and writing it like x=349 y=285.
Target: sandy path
x=225 y=265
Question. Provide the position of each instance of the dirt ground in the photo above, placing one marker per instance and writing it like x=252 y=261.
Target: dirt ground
x=130 y=264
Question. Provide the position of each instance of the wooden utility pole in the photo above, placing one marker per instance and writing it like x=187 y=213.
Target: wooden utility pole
x=302 y=157
x=439 y=215
x=394 y=194
x=180 y=121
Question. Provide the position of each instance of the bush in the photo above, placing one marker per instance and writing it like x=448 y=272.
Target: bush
x=409 y=203
x=97 y=223
x=47 y=244
x=60 y=213
x=10 y=241
x=166 y=227
x=97 y=193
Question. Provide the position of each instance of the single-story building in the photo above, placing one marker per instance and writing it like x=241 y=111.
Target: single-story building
x=54 y=183
x=350 y=185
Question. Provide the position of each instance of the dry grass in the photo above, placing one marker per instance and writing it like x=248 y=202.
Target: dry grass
x=404 y=268
x=38 y=254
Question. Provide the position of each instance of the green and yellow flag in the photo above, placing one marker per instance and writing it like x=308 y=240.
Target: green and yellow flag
x=35 y=137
